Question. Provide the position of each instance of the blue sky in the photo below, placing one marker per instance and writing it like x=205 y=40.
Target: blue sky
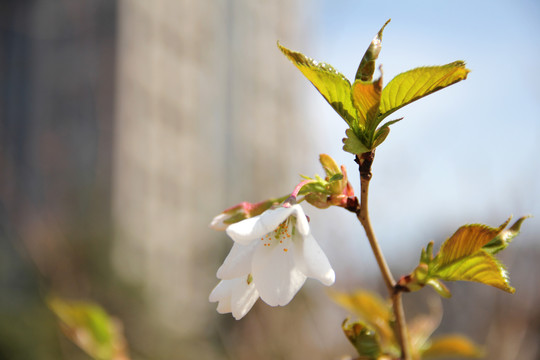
x=466 y=154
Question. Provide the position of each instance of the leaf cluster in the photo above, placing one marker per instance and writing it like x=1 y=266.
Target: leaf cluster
x=364 y=104
x=468 y=255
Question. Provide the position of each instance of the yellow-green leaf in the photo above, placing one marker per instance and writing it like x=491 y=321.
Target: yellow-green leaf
x=417 y=83
x=464 y=257
x=88 y=326
x=466 y=241
x=480 y=267
x=452 y=345
x=366 y=98
x=332 y=85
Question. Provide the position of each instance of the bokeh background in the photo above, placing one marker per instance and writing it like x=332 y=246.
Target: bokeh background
x=125 y=126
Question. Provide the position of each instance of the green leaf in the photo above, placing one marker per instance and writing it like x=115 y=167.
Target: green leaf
x=332 y=85
x=88 y=326
x=367 y=65
x=417 y=83
x=363 y=338
x=452 y=346
x=353 y=144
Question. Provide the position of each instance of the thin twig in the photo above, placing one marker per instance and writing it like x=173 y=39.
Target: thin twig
x=364 y=164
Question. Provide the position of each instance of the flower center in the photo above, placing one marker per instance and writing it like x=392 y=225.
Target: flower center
x=281 y=235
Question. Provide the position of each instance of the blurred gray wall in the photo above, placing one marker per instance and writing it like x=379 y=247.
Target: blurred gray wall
x=205 y=118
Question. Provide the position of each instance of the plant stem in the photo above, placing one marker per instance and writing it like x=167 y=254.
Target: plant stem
x=365 y=161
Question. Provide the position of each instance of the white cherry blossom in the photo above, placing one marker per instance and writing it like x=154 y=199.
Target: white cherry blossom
x=278 y=250
x=235 y=296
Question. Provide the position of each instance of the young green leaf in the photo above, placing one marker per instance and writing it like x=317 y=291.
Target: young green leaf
x=417 y=83
x=452 y=346
x=332 y=85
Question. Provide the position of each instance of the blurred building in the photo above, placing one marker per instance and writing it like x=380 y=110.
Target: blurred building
x=205 y=118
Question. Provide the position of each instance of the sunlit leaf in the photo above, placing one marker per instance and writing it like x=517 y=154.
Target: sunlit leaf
x=367 y=65
x=364 y=339
x=88 y=326
x=466 y=241
x=332 y=85
x=417 y=83
x=480 y=267
x=462 y=258
x=452 y=346
x=364 y=105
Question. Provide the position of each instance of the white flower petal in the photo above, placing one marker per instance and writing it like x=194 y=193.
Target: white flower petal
x=238 y=261
x=245 y=231
x=311 y=259
x=243 y=297
x=221 y=290
x=222 y=294
x=273 y=217
x=275 y=275
x=302 y=224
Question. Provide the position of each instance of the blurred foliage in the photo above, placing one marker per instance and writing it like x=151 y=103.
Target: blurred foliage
x=88 y=326
x=372 y=334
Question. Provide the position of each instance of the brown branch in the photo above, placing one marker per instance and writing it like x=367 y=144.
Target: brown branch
x=365 y=161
